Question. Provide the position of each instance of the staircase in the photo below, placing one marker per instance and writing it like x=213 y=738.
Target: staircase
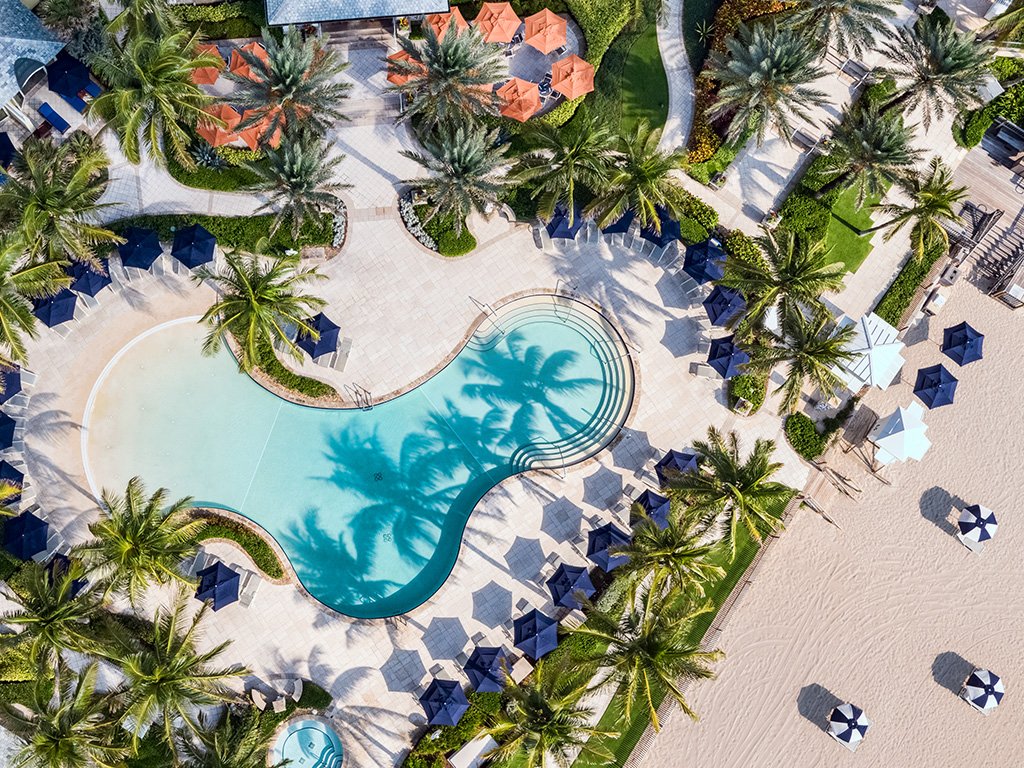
x=350 y=35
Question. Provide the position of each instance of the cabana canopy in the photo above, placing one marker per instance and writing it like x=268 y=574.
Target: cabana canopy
x=535 y=634
x=901 y=436
x=140 y=248
x=962 y=344
x=726 y=358
x=218 y=584
x=877 y=353
x=444 y=702
x=567 y=583
x=600 y=542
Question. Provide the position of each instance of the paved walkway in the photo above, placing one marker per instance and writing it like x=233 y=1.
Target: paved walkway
x=680 y=76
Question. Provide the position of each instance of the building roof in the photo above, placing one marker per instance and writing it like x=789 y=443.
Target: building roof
x=307 y=11
x=25 y=45
x=877 y=353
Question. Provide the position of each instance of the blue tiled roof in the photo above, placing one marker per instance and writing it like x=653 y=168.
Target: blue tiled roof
x=22 y=36
x=304 y=11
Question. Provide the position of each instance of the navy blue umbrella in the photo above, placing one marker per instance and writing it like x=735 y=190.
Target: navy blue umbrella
x=487 y=669
x=621 y=226
x=599 y=543
x=141 y=247
x=559 y=226
x=704 y=262
x=566 y=584
x=676 y=462
x=59 y=565
x=57 y=309
x=10 y=474
x=67 y=76
x=193 y=246
x=935 y=386
x=326 y=343
x=25 y=535
x=724 y=305
x=7 y=427
x=962 y=344
x=444 y=702
x=669 y=229
x=535 y=634
x=726 y=358
x=7 y=150
x=217 y=584
x=10 y=384
x=88 y=281
x=656 y=506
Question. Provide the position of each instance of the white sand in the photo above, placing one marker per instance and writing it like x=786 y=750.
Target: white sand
x=891 y=612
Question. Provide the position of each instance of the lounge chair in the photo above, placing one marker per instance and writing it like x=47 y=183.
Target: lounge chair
x=77 y=103
x=50 y=115
x=297 y=690
x=93 y=89
x=250 y=584
x=340 y=358
x=258 y=699
x=704 y=370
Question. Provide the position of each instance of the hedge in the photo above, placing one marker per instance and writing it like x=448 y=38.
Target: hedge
x=262 y=554
x=691 y=232
x=804 y=214
x=287 y=378
x=751 y=387
x=803 y=435
x=896 y=300
x=699 y=211
x=430 y=750
x=231 y=178
x=442 y=229
x=742 y=246
x=224 y=21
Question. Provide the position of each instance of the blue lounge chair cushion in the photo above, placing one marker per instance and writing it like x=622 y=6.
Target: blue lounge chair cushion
x=93 y=89
x=75 y=101
x=50 y=115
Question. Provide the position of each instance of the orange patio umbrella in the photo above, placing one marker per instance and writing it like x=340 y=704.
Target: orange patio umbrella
x=215 y=134
x=545 y=31
x=401 y=78
x=440 y=22
x=497 y=22
x=207 y=75
x=572 y=77
x=255 y=134
x=238 y=63
x=520 y=99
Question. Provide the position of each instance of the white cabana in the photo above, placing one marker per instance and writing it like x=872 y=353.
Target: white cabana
x=901 y=436
x=878 y=354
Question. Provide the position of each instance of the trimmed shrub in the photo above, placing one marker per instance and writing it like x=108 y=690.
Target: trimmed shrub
x=261 y=553
x=803 y=435
x=442 y=229
x=742 y=246
x=718 y=162
x=15 y=666
x=691 y=231
x=287 y=378
x=228 y=179
x=896 y=300
x=804 y=214
x=238 y=156
x=699 y=211
x=878 y=93
x=224 y=21
x=751 y=387
x=970 y=129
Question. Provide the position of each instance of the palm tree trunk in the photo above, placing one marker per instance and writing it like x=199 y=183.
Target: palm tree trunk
x=895 y=102
x=842 y=178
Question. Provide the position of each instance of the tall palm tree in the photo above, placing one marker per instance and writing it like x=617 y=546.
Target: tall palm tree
x=152 y=100
x=741 y=488
x=932 y=197
x=565 y=158
x=936 y=68
x=140 y=539
x=448 y=81
x=50 y=194
x=851 y=27
x=645 y=180
x=20 y=282
x=542 y=720
x=296 y=86
x=765 y=80
x=1009 y=25
x=145 y=18
x=66 y=17
x=167 y=677
x=869 y=150
x=238 y=742
x=260 y=298
x=466 y=172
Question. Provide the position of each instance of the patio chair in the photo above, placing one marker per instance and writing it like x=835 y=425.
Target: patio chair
x=279 y=705
x=258 y=699
x=250 y=585
x=542 y=239
x=297 y=690
x=478 y=638
x=77 y=102
x=704 y=370
x=559 y=51
x=50 y=116
x=703 y=345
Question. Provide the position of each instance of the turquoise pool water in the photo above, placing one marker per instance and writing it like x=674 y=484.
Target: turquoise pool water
x=308 y=743
x=370 y=505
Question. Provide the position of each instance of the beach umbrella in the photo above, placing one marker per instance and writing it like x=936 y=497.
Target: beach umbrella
x=141 y=247
x=497 y=22
x=218 y=584
x=962 y=344
x=487 y=669
x=520 y=99
x=256 y=134
x=440 y=22
x=86 y=280
x=545 y=31
x=67 y=76
x=325 y=343
x=240 y=66
x=25 y=535
x=977 y=523
x=208 y=75
x=901 y=436
x=656 y=506
x=402 y=77
x=935 y=386
x=876 y=353
x=621 y=225
x=704 y=262
x=7 y=427
x=572 y=77
x=216 y=135
x=561 y=227
x=11 y=475
x=724 y=305
x=567 y=583
x=535 y=634
x=983 y=690
x=7 y=150
x=10 y=384
x=726 y=358
x=848 y=724
x=600 y=542
x=444 y=702
x=56 y=309
x=667 y=231
x=676 y=462
x=193 y=246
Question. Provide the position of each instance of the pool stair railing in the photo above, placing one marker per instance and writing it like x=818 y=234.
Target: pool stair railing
x=564 y=290
x=488 y=310
x=361 y=395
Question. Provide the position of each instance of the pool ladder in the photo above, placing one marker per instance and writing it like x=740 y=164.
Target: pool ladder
x=361 y=395
x=488 y=310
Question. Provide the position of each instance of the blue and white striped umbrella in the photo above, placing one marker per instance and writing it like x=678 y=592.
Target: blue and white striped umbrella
x=983 y=690
x=977 y=523
x=848 y=724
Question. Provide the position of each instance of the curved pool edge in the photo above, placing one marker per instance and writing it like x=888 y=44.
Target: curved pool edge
x=274 y=756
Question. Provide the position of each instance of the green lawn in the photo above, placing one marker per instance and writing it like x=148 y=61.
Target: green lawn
x=847 y=219
x=644 y=84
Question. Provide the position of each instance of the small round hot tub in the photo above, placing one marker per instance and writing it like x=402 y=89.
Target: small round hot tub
x=308 y=742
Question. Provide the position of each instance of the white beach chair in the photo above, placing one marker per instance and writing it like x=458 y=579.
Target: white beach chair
x=258 y=699
x=250 y=585
x=704 y=370
x=340 y=359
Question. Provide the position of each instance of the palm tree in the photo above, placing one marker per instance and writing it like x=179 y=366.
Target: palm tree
x=932 y=198
x=646 y=179
x=542 y=720
x=1009 y=25
x=448 y=81
x=849 y=26
x=260 y=298
x=168 y=678
x=466 y=170
x=66 y=17
x=295 y=86
x=563 y=158
x=141 y=539
x=936 y=68
x=765 y=80
x=152 y=99
x=238 y=742
x=145 y=18
x=19 y=283
x=741 y=488
x=50 y=194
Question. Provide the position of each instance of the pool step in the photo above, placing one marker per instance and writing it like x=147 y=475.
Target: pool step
x=329 y=758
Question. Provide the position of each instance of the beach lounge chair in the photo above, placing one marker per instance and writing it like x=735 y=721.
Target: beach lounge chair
x=250 y=584
x=704 y=370
x=76 y=102
x=258 y=699
x=340 y=358
x=50 y=115
x=93 y=89
x=297 y=690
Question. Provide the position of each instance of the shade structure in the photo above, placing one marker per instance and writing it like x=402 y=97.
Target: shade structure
x=240 y=66
x=444 y=702
x=497 y=22
x=676 y=463
x=216 y=135
x=439 y=22
x=7 y=150
x=208 y=75
x=141 y=247
x=193 y=246
x=56 y=309
x=568 y=583
x=7 y=427
x=326 y=342
x=962 y=344
x=600 y=543
x=560 y=225
x=25 y=535
x=983 y=690
x=877 y=353
x=901 y=436
x=726 y=358
x=621 y=225
x=218 y=585
x=572 y=77
x=535 y=634
x=86 y=280
x=655 y=506
x=666 y=232
x=402 y=77
x=848 y=725
x=977 y=523
x=259 y=132
x=935 y=386
x=545 y=31
x=724 y=305
x=67 y=76
x=704 y=262
x=520 y=99
x=488 y=668
x=10 y=384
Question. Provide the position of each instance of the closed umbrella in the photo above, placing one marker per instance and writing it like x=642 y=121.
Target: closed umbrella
x=488 y=668
x=218 y=585
x=10 y=384
x=88 y=281
x=935 y=386
x=848 y=724
x=193 y=246
x=67 y=76
x=325 y=343
x=545 y=31
x=601 y=541
x=56 y=309
x=497 y=22
x=141 y=247
x=983 y=690
x=535 y=634
x=962 y=344
x=676 y=463
x=444 y=702
x=568 y=583
x=572 y=77
x=666 y=231
x=976 y=524
x=726 y=358
x=724 y=305
x=704 y=262
x=7 y=427
x=25 y=535
x=655 y=506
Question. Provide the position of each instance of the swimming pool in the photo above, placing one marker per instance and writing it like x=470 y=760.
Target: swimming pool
x=308 y=742
x=369 y=505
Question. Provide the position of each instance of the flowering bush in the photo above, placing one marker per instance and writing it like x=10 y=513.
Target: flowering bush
x=340 y=226
x=412 y=222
